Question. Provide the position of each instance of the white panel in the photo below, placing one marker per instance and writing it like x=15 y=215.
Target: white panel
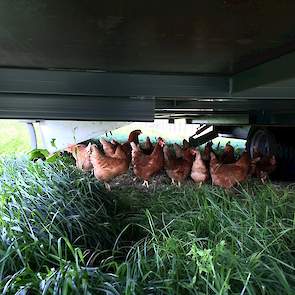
x=67 y=132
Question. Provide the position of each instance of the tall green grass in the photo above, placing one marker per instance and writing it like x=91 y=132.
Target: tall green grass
x=62 y=233
x=54 y=226
x=214 y=242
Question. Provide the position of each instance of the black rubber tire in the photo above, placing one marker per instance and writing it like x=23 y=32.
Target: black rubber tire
x=263 y=139
x=276 y=141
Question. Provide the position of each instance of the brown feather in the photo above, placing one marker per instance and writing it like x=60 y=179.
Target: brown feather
x=80 y=154
x=106 y=168
x=177 y=169
x=144 y=166
x=228 y=175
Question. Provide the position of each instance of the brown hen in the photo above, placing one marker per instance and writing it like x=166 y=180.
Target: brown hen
x=106 y=168
x=180 y=149
x=228 y=175
x=264 y=166
x=144 y=166
x=207 y=151
x=108 y=147
x=178 y=169
x=126 y=147
x=147 y=146
x=228 y=155
x=199 y=172
x=81 y=155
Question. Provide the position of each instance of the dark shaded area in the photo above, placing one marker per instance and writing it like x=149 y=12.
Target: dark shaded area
x=221 y=37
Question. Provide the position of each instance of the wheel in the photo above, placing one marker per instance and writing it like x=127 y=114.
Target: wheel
x=276 y=141
x=263 y=140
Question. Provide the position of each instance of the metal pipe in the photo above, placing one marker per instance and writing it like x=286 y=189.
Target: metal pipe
x=32 y=133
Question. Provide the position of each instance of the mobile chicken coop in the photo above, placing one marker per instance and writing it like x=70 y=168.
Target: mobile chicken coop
x=230 y=65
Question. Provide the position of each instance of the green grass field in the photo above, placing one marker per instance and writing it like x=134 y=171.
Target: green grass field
x=14 y=137
x=62 y=233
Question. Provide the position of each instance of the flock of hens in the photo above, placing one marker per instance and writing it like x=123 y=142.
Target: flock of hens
x=114 y=159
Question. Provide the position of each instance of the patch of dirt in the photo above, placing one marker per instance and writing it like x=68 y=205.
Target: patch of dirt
x=129 y=180
x=159 y=180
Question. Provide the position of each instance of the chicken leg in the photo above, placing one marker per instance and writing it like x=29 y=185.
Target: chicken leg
x=146 y=184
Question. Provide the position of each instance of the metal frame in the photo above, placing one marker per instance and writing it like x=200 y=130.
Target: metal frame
x=276 y=70
x=266 y=92
x=90 y=83
x=87 y=108
x=232 y=105
x=262 y=81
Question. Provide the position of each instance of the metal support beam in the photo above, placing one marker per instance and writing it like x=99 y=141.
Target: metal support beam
x=87 y=108
x=222 y=119
x=87 y=83
x=276 y=70
x=225 y=105
x=278 y=90
x=91 y=83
